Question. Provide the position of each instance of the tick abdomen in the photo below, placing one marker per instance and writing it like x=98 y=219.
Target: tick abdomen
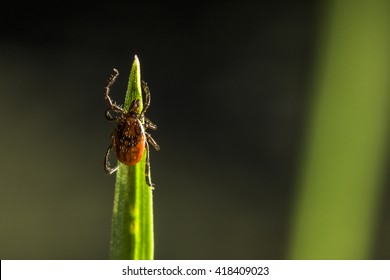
x=129 y=141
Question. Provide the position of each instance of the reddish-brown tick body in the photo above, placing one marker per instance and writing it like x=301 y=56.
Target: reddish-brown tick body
x=129 y=139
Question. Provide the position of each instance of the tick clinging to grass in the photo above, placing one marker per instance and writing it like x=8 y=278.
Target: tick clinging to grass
x=129 y=139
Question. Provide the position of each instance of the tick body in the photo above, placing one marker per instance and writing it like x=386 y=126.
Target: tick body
x=129 y=140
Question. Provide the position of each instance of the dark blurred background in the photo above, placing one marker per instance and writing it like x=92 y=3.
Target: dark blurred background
x=230 y=86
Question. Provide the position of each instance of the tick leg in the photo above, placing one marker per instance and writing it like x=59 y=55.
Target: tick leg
x=107 y=97
x=152 y=141
x=147 y=97
x=109 y=116
x=107 y=166
x=149 y=124
x=147 y=167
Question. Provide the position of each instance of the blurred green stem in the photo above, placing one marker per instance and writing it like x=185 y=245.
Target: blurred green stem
x=343 y=164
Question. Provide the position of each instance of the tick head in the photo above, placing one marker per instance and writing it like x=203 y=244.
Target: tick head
x=134 y=107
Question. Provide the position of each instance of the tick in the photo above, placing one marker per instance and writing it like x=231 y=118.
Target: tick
x=129 y=139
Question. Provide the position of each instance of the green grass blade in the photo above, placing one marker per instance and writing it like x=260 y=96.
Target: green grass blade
x=132 y=222
x=344 y=162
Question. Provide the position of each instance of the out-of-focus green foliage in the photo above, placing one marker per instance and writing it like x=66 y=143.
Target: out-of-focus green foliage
x=343 y=164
